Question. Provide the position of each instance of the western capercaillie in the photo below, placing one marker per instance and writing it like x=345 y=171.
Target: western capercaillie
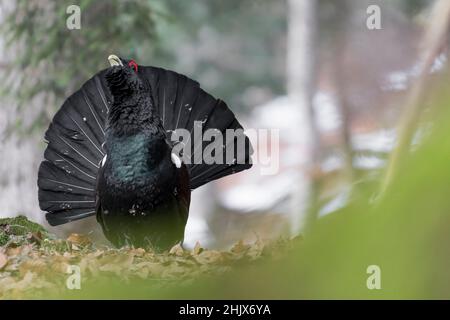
x=111 y=153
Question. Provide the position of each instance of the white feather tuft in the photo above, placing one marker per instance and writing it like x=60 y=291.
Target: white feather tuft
x=103 y=161
x=176 y=160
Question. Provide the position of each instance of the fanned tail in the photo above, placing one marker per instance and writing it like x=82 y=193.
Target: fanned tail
x=181 y=103
x=67 y=176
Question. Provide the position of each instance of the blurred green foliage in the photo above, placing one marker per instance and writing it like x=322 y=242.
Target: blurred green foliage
x=50 y=60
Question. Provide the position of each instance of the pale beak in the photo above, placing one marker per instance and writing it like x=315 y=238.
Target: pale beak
x=114 y=60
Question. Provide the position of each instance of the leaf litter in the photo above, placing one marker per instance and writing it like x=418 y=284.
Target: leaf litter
x=35 y=263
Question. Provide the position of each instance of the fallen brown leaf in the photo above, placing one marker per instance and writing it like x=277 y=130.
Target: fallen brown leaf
x=79 y=239
x=35 y=266
x=13 y=251
x=209 y=257
x=240 y=247
x=197 y=249
x=177 y=250
x=138 y=252
x=3 y=260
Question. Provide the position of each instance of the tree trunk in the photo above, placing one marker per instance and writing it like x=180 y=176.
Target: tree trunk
x=340 y=40
x=301 y=67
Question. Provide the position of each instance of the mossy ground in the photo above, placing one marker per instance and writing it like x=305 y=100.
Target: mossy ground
x=19 y=230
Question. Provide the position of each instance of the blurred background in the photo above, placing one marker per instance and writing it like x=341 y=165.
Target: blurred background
x=313 y=70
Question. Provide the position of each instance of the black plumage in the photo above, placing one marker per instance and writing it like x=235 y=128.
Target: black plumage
x=109 y=154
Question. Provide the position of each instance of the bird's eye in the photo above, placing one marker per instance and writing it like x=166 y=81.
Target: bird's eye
x=133 y=64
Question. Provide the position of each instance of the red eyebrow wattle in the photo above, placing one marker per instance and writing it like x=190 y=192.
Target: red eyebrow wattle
x=133 y=65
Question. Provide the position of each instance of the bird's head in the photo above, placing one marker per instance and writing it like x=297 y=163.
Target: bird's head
x=122 y=78
x=117 y=61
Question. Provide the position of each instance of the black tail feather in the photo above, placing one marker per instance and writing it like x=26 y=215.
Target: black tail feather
x=180 y=102
x=67 y=177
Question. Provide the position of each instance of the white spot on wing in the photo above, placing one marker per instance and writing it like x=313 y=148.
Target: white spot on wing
x=176 y=160
x=103 y=161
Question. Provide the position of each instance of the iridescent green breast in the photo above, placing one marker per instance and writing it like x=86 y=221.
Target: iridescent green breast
x=129 y=158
